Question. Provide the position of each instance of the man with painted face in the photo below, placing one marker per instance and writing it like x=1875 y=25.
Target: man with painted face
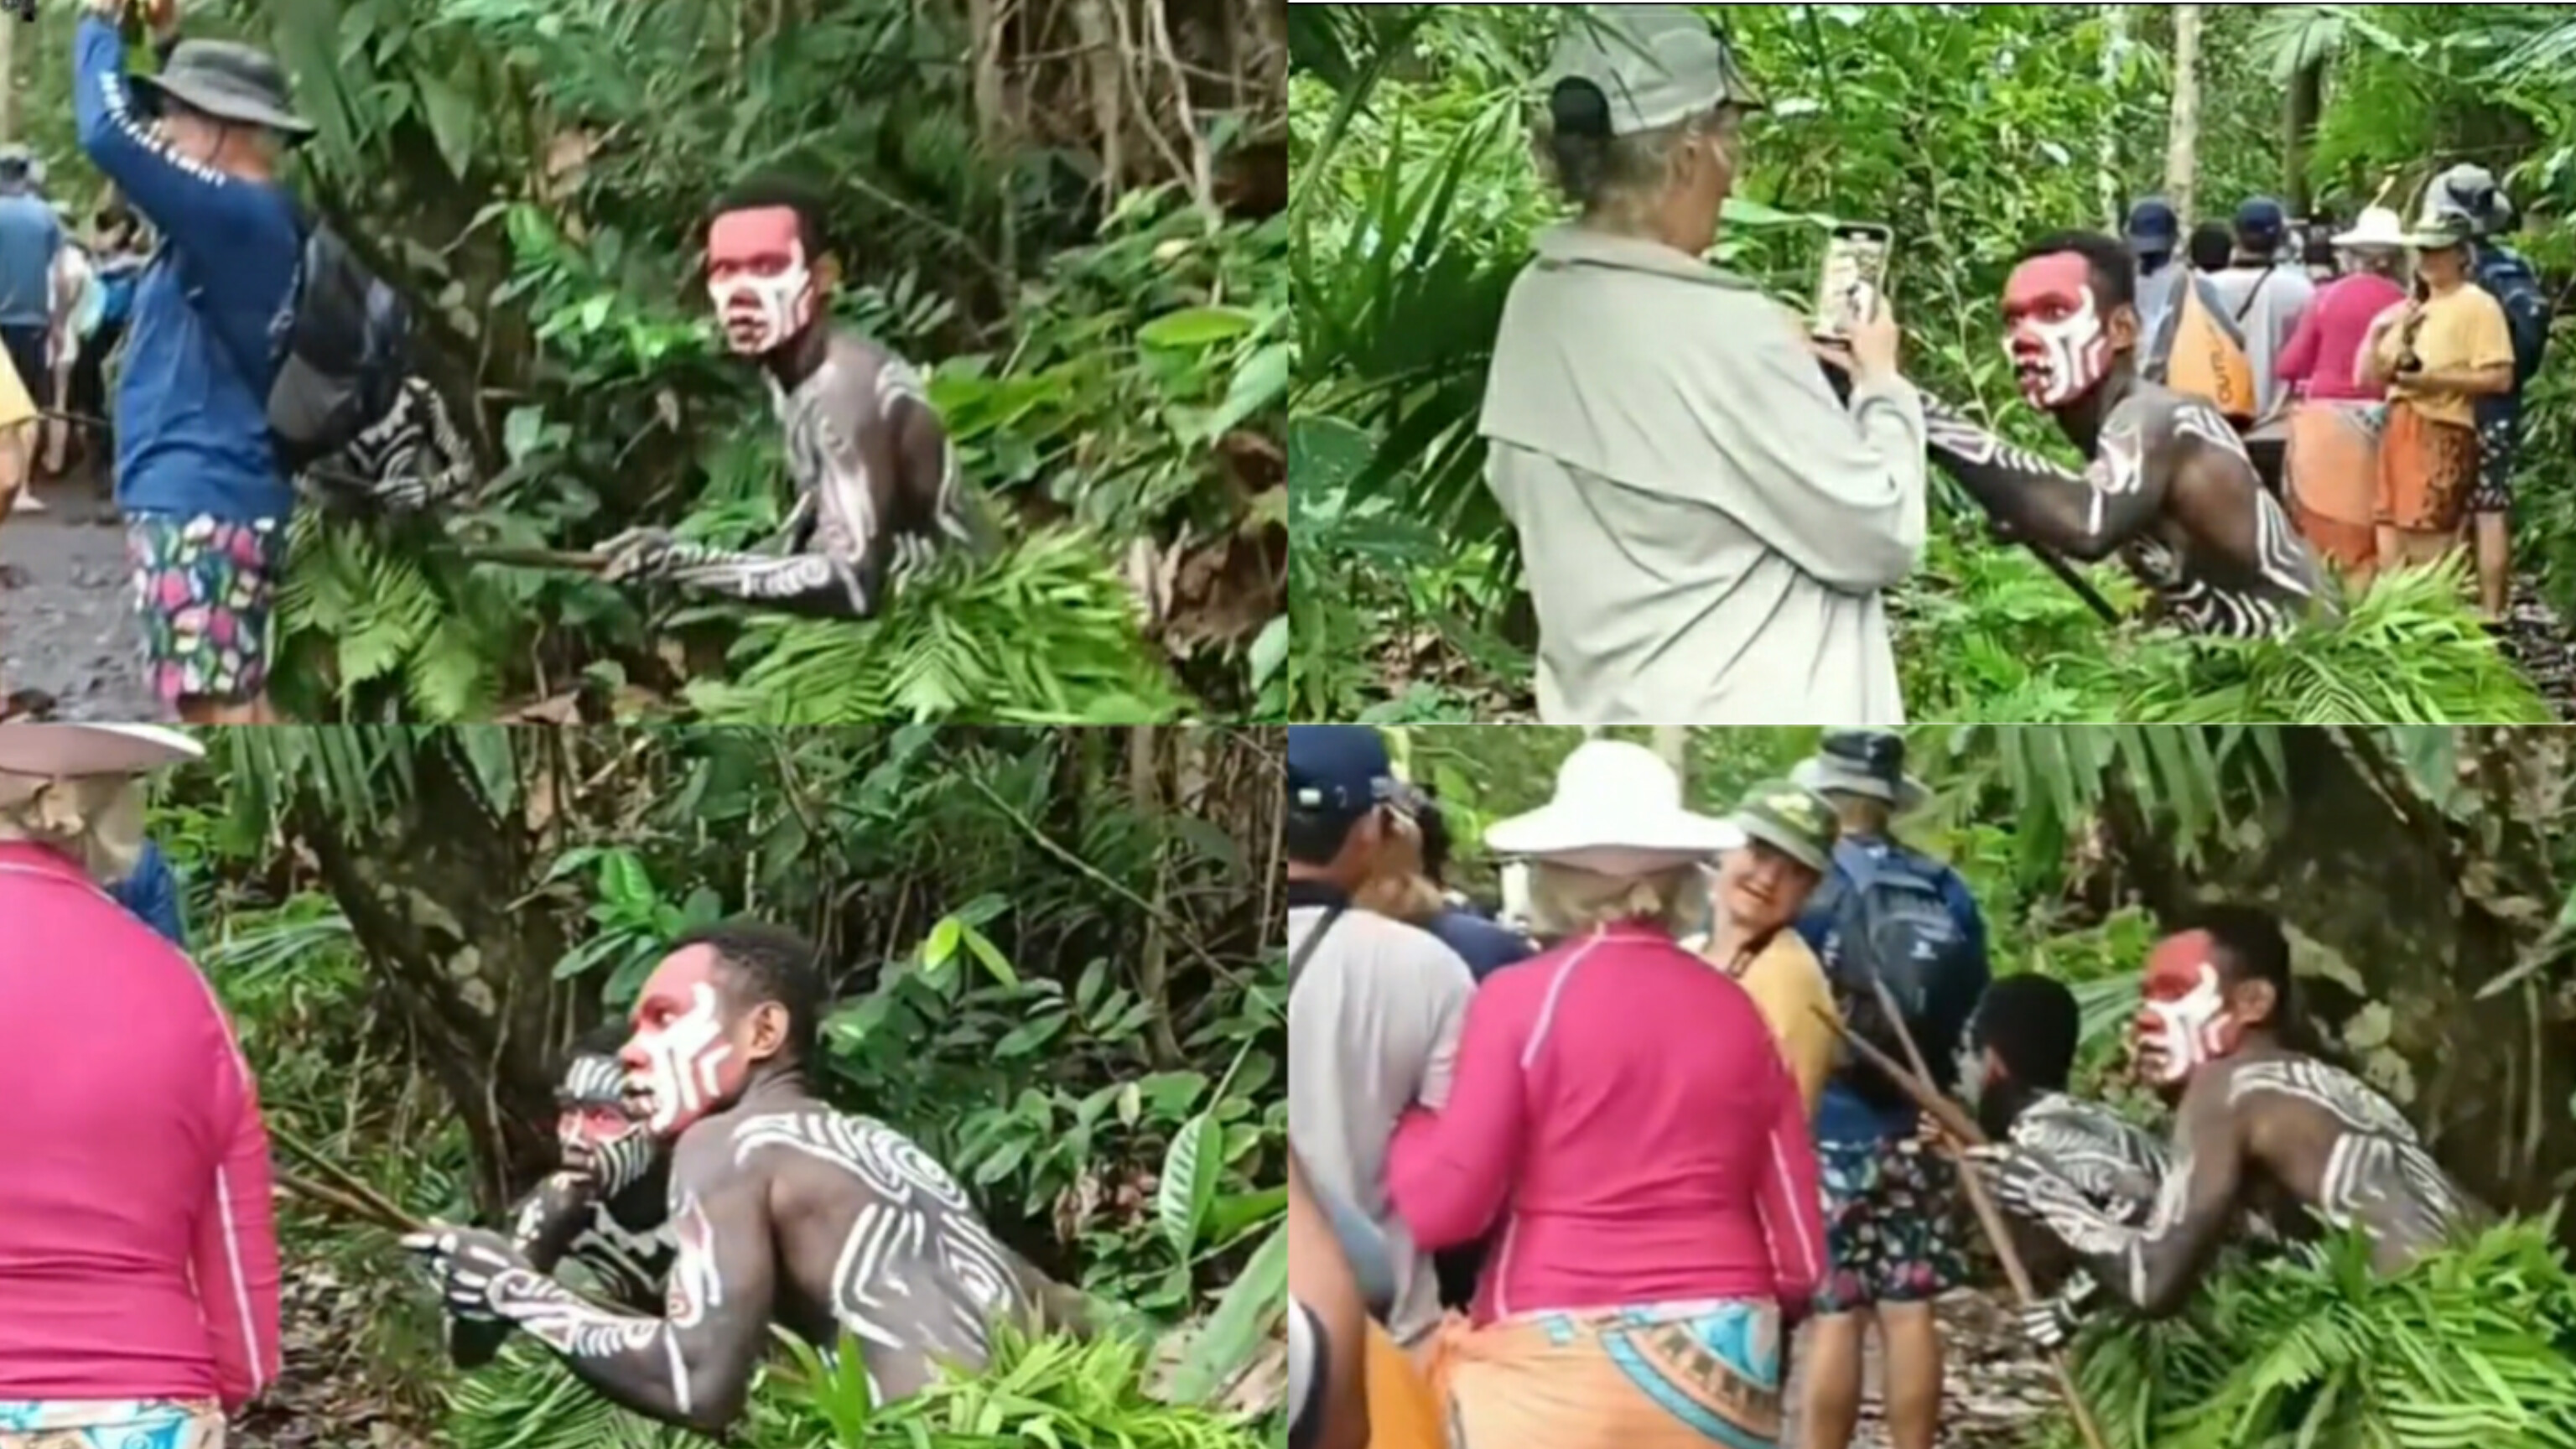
x=878 y=493
x=2261 y=1127
x=604 y=1209
x=782 y=1209
x=2169 y=490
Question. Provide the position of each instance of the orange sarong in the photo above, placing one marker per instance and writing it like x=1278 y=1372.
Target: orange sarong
x=2427 y=470
x=1696 y=1376
x=2333 y=480
x=1402 y=1412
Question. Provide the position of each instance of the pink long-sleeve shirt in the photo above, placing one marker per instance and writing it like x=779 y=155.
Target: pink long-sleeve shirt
x=1621 y=1108
x=138 y=1246
x=2323 y=360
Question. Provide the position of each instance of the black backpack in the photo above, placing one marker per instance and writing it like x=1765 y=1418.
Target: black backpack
x=340 y=350
x=1891 y=924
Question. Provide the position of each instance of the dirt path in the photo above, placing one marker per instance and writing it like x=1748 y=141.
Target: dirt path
x=1995 y=1392
x=66 y=608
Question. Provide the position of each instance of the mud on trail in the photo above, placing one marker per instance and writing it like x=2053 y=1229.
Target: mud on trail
x=67 y=631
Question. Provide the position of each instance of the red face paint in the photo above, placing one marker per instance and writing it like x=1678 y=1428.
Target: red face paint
x=759 y=278
x=2054 y=330
x=2183 y=1020
x=590 y=1109
x=681 y=1054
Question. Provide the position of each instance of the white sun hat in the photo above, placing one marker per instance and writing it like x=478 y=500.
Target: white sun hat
x=1618 y=810
x=2378 y=227
x=33 y=754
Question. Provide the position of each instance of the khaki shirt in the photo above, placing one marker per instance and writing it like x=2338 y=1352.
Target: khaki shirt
x=1708 y=531
x=1788 y=983
x=2464 y=331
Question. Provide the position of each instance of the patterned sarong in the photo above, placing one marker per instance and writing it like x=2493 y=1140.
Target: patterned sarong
x=2427 y=470
x=1685 y=1376
x=111 y=1424
x=2334 y=480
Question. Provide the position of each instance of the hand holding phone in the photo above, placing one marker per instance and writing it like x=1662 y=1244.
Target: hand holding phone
x=1852 y=281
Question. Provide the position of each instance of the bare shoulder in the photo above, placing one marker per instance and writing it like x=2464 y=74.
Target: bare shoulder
x=2189 y=430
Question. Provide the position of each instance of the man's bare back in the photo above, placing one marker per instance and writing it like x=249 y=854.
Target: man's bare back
x=871 y=1236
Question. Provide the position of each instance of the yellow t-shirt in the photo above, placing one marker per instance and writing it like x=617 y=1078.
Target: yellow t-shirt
x=1787 y=982
x=16 y=406
x=2463 y=330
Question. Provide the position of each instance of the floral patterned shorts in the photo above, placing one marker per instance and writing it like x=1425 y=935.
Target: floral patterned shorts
x=1888 y=1226
x=204 y=588
x=107 y=1424
x=2499 y=450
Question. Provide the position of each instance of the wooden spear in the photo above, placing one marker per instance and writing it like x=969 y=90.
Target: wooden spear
x=1959 y=1132
x=345 y=1190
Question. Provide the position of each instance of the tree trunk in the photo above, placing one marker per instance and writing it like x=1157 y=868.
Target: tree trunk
x=9 y=26
x=2107 y=157
x=2301 y=114
x=2182 y=136
x=1673 y=743
x=438 y=897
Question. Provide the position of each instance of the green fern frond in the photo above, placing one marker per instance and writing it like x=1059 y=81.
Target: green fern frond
x=1044 y=633
x=2469 y=1348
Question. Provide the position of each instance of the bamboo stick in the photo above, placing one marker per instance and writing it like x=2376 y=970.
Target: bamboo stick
x=1959 y=1133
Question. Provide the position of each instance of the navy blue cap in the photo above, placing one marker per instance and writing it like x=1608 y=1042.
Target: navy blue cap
x=1338 y=769
x=2262 y=219
x=2153 y=222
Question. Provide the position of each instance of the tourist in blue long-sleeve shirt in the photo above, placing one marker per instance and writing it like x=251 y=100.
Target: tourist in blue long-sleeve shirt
x=206 y=505
x=154 y=894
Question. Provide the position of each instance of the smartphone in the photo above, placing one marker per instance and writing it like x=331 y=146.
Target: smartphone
x=1853 y=277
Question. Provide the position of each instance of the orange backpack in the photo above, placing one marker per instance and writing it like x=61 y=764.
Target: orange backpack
x=2206 y=362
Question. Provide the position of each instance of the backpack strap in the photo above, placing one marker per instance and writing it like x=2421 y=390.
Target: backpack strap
x=1306 y=949
x=2251 y=297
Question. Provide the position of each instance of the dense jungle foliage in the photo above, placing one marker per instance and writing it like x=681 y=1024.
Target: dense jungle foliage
x=2429 y=881
x=1057 y=974
x=1064 y=210
x=1973 y=129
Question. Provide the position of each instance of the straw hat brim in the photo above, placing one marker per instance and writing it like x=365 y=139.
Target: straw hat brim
x=32 y=754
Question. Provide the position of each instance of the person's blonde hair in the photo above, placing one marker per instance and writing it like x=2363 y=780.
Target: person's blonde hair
x=1397 y=886
x=96 y=820
x=1567 y=900
x=1619 y=181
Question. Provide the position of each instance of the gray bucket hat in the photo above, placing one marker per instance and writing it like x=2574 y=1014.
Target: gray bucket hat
x=1659 y=65
x=225 y=80
x=1868 y=763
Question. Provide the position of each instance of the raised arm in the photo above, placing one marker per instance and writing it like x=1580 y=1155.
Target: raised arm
x=2089 y=515
x=692 y=1365
x=2153 y=1267
x=233 y=1258
x=1450 y=1169
x=1839 y=489
x=195 y=207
